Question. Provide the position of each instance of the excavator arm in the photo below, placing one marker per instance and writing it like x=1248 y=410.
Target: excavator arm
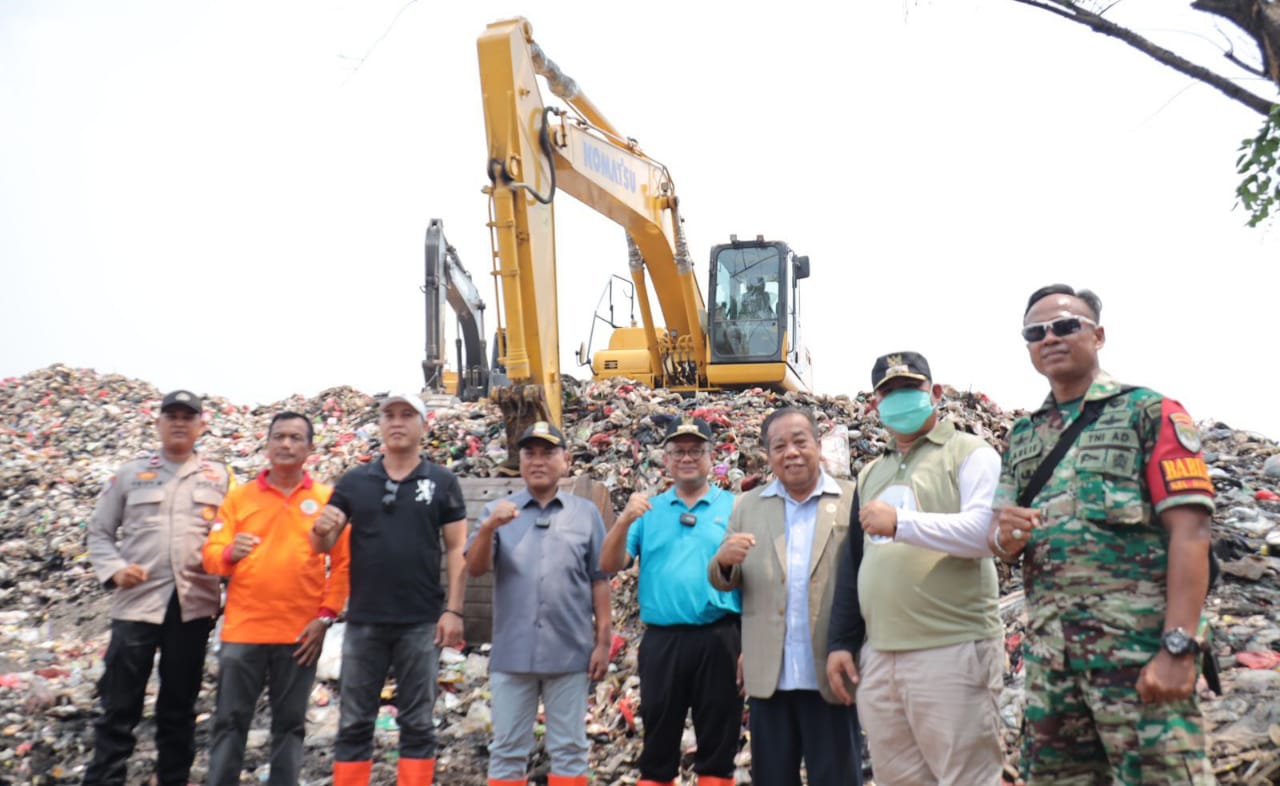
x=535 y=152
x=448 y=283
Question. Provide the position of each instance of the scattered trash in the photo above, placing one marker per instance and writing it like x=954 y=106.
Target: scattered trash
x=63 y=431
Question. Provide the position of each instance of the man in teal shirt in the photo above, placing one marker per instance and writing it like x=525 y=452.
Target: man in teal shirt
x=689 y=653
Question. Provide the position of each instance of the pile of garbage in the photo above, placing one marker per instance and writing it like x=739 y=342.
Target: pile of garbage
x=64 y=430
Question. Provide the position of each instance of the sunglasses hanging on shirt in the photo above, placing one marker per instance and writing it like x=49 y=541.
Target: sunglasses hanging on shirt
x=389 y=499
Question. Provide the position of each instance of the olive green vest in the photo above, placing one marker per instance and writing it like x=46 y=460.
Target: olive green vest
x=915 y=598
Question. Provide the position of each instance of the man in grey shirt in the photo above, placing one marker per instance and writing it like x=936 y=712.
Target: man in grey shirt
x=144 y=544
x=543 y=546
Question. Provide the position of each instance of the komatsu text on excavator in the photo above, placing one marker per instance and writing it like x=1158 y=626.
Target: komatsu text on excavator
x=748 y=337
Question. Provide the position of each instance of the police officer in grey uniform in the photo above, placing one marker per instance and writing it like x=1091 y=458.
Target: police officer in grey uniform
x=144 y=543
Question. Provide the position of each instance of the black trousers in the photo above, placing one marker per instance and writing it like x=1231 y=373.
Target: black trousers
x=243 y=670
x=122 y=691
x=792 y=725
x=686 y=667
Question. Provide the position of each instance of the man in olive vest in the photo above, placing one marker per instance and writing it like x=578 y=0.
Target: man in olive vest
x=932 y=666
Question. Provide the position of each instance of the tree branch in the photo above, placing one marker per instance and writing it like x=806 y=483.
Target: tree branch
x=1242 y=65
x=1069 y=10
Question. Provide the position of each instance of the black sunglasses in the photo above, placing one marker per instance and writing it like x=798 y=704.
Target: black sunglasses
x=389 y=499
x=1061 y=327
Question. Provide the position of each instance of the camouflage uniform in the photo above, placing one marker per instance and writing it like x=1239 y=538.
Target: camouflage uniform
x=1094 y=574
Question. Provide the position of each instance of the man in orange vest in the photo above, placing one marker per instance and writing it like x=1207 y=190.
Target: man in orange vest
x=281 y=599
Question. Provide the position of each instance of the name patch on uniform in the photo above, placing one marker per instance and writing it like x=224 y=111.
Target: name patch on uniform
x=146 y=476
x=1110 y=437
x=309 y=507
x=1186 y=474
x=1025 y=448
x=1184 y=428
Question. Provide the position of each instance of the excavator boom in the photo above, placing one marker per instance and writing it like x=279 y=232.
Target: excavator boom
x=447 y=282
x=537 y=152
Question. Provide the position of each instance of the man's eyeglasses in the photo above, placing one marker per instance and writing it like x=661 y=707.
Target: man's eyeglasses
x=1061 y=327
x=682 y=453
x=389 y=499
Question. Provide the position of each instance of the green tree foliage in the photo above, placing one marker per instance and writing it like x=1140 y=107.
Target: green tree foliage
x=1259 y=162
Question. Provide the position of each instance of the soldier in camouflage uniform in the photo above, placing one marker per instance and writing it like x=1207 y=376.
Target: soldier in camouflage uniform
x=1116 y=565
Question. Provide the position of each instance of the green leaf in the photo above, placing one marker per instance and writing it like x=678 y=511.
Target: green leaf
x=1259 y=191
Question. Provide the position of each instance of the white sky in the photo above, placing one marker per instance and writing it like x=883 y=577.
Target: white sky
x=214 y=195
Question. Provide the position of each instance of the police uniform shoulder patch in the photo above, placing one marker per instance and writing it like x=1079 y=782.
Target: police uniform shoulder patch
x=1184 y=428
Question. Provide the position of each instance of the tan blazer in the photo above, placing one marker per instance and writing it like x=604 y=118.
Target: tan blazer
x=763 y=580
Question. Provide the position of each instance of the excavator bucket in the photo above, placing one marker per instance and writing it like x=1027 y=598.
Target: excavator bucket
x=521 y=407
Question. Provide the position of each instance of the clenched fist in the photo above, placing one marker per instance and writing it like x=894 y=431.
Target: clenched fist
x=637 y=506
x=242 y=545
x=329 y=521
x=734 y=549
x=880 y=518
x=504 y=511
x=1013 y=529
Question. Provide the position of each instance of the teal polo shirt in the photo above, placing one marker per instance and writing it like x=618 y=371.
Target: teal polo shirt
x=674 y=589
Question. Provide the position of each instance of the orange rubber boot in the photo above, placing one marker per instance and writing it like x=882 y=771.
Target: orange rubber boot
x=352 y=773
x=655 y=783
x=714 y=780
x=516 y=782
x=415 y=772
x=566 y=780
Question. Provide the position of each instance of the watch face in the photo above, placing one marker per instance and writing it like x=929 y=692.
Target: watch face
x=1177 y=642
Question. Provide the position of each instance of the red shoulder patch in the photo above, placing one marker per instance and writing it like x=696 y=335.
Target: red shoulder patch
x=1175 y=466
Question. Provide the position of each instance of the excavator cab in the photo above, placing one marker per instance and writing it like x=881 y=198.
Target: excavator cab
x=754 y=316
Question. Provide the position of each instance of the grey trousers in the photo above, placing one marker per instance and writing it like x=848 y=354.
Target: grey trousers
x=515 y=708
x=243 y=670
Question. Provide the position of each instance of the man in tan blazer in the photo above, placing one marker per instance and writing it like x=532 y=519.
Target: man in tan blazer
x=781 y=549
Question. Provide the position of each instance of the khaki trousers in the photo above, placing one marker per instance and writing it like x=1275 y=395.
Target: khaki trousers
x=933 y=716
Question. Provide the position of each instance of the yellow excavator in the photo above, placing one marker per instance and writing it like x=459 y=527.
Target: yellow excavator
x=748 y=338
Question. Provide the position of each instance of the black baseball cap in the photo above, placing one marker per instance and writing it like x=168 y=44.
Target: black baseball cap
x=181 y=398
x=896 y=365
x=544 y=431
x=687 y=426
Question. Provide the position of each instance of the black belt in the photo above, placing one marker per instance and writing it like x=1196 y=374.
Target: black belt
x=728 y=619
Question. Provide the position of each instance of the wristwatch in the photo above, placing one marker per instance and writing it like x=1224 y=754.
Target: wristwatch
x=326 y=620
x=1176 y=642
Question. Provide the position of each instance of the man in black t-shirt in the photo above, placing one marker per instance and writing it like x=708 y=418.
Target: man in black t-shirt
x=399 y=508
